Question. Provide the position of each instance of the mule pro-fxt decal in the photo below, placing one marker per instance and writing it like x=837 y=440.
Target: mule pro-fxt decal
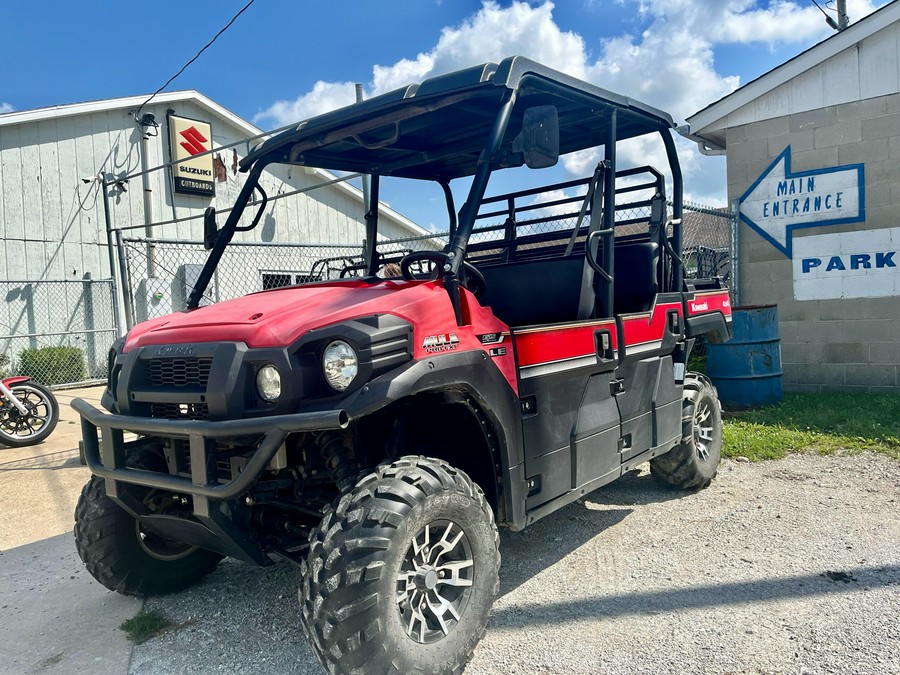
x=445 y=342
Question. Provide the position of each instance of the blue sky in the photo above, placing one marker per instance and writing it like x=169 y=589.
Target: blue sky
x=283 y=60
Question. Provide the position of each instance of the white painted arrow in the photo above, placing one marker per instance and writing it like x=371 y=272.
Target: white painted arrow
x=780 y=201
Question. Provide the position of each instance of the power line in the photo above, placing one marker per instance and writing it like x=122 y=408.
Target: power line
x=195 y=57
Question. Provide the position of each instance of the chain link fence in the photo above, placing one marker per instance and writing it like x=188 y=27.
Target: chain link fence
x=707 y=243
x=707 y=251
x=160 y=273
x=247 y=267
x=58 y=332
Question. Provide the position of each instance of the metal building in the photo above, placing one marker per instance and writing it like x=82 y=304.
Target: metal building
x=813 y=162
x=58 y=267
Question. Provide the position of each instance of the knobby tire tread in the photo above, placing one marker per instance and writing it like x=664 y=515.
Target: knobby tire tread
x=106 y=541
x=680 y=468
x=340 y=613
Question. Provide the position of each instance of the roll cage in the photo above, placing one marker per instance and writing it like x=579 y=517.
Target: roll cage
x=471 y=123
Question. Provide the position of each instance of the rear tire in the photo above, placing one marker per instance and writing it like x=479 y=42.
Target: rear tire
x=402 y=572
x=126 y=558
x=693 y=463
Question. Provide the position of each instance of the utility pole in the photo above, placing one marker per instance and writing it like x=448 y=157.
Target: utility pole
x=365 y=178
x=843 y=20
x=146 y=124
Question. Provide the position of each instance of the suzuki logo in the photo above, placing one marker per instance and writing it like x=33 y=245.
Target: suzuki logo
x=193 y=141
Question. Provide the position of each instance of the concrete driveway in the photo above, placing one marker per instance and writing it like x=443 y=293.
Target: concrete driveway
x=54 y=617
x=788 y=566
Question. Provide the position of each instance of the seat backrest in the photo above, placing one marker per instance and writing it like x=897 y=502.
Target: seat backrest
x=635 y=277
x=533 y=292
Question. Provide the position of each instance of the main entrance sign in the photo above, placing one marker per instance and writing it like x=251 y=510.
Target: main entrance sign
x=780 y=201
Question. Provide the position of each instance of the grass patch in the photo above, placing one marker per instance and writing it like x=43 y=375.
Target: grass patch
x=824 y=423
x=145 y=625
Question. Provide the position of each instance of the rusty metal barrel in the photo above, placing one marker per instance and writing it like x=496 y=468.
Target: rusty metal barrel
x=747 y=369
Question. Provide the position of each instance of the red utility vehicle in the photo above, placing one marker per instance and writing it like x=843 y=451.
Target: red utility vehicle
x=377 y=431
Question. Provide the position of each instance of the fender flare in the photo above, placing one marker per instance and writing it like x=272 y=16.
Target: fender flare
x=474 y=372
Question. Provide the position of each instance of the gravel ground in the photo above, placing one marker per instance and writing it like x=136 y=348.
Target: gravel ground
x=779 y=567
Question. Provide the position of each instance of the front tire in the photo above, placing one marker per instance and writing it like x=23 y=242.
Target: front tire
x=125 y=557
x=402 y=572
x=693 y=463
x=18 y=430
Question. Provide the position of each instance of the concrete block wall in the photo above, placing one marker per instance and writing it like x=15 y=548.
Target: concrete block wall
x=850 y=344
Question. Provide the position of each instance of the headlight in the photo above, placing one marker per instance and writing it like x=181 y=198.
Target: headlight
x=340 y=365
x=268 y=383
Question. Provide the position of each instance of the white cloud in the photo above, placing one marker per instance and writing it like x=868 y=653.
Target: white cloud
x=495 y=32
x=555 y=209
x=490 y=34
x=741 y=21
x=324 y=96
x=6 y=107
x=669 y=65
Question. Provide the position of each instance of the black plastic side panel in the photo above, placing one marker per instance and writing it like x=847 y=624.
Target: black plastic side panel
x=547 y=430
x=650 y=405
x=597 y=432
x=557 y=397
x=667 y=405
x=474 y=373
x=572 y=435
x=635 y=403
x=551 y=476
x=713 y=325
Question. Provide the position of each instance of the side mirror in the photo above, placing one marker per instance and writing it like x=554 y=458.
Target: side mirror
x=539 y=139
x=210 y=229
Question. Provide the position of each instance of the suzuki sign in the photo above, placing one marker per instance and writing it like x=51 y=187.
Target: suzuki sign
x=193 y=170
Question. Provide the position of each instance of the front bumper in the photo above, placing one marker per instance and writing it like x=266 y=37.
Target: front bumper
x=212 y=524
x=105 y=452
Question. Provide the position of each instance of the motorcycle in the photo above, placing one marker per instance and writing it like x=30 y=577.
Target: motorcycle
x=28 y=412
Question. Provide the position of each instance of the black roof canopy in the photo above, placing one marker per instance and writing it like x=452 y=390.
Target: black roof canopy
x=437 y=130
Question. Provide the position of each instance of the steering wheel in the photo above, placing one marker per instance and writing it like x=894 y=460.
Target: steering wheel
x=470 y=278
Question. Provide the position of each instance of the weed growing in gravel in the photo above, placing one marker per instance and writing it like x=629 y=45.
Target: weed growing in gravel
x=145 y=625
x=824 y=423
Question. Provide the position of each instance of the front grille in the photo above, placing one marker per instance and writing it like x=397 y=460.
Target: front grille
x=182 y=411
x=178 y=372
x=227 y=468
